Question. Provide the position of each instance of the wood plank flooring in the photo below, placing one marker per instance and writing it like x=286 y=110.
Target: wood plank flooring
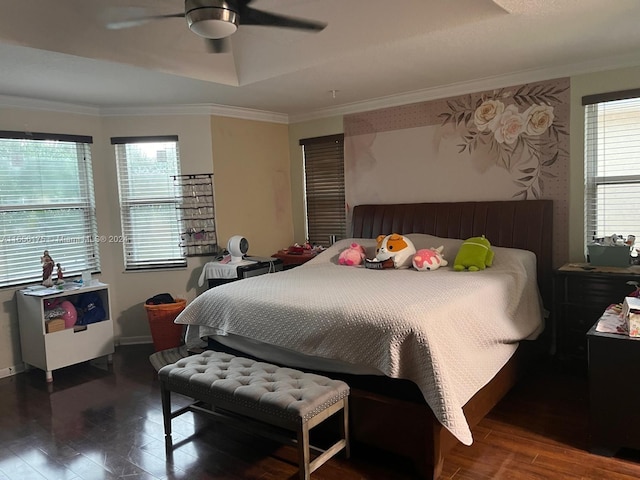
x=99 y=421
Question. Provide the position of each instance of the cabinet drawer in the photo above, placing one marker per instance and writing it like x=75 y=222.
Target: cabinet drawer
x=597 y=292
x=580 y=318
x=68 y=347
x=581 y=295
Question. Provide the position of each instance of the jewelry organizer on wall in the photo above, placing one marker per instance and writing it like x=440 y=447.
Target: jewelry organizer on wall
x=197 y=215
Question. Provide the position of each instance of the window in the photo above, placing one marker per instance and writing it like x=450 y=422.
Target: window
x=612 y=164
x=324 y=188
x=46 y=203
x=148 y=200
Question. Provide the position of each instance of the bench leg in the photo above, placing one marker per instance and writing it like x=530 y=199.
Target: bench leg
x=344 y=430
x=303 y=452
x=165 y=397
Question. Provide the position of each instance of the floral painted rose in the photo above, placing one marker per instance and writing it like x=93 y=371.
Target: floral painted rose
x=487 y=115
x=510 y=125
x=539 y=118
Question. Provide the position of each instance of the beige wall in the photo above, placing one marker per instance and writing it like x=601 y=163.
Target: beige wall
x=252 y=198
x=252 y=183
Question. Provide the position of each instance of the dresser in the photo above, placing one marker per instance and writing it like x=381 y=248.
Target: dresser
x=614 y=392
x=581 y=295
x=51 y=350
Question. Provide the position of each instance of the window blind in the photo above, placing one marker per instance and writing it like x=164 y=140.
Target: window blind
x=612 y=170
x=148 y=201
x=324 y=188
x=46 y=203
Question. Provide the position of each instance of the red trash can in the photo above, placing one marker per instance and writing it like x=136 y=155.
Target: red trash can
x=164 y=332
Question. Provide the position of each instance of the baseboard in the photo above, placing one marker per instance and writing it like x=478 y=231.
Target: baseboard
x=134 y=340
x=9 y=371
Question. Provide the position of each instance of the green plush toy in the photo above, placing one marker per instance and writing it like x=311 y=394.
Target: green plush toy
x=474 y=254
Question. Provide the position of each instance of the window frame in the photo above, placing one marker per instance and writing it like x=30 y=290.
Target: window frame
x=136 y=254
x=324 y=189
x=594 y=158
x=54 y=236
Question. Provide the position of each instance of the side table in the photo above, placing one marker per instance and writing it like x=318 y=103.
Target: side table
x=291 y=260
x=614 y=392
x=217 y=273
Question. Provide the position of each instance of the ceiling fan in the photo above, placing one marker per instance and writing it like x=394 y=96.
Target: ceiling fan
x=216 y=20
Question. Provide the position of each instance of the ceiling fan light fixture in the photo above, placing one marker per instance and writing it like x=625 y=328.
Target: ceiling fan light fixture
x=212 y=22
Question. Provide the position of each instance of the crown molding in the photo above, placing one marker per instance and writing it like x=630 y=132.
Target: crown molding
x=478 y=85
x=46 y=105
x=204 y=109
x=432 y=93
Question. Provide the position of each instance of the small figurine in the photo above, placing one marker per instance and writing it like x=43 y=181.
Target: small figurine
x=47 y=269
x=60 y=279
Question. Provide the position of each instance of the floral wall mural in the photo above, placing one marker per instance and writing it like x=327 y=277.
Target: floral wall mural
x=513 y=137
x=510 y=143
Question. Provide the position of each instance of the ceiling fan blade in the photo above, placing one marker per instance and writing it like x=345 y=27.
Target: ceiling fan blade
x=252 y=16
x=218 y=45
x=135 y=17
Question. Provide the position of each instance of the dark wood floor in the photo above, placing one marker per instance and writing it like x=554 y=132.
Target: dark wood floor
x=99 y=421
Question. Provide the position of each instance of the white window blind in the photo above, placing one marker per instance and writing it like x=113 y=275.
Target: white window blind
x=148 y=201
x=324 y=188
x=612 y=169
x=46 y=203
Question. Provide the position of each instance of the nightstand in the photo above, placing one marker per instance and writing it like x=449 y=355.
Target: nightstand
x=614 y=392
x=290 y=260
x=581 y=294
x=218 y=273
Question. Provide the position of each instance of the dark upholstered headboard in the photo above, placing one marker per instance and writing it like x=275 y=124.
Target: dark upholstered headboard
x=524 y=224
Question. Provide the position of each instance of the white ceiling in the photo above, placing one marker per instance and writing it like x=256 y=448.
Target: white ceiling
x=371 y=51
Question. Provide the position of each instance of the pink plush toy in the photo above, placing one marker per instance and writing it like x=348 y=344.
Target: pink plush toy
x=429 y=259
x=352 y=256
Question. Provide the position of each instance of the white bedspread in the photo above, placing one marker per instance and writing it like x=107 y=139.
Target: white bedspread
x=449 y=332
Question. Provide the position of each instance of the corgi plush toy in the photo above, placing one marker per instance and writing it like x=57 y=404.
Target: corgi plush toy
x=396 y=247
x=429 y=259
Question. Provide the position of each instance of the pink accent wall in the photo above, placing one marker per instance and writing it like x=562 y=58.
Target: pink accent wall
x=503 y=144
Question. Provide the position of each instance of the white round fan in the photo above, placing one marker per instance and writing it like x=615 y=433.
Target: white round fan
x=237 y=246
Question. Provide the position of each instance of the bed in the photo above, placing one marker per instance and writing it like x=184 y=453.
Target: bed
x=426 y=378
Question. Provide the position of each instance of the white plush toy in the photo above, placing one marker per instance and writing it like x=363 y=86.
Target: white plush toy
x=396 y=247
x=429 y=259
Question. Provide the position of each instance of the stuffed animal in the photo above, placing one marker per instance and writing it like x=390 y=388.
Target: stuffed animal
x=474 y=254
x=352 y=256
x=396 y=247
x=429 y=259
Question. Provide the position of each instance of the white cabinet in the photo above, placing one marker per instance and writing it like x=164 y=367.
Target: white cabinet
x=50 y=351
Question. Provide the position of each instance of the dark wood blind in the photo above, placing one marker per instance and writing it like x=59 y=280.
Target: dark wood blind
x=324 y=188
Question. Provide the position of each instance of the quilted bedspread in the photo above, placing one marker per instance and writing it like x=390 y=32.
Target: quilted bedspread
x=449 y=332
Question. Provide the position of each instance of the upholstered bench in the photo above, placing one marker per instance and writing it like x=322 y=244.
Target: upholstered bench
x=227 y=386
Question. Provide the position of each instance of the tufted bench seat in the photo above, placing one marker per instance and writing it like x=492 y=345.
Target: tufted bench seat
x=222 y=385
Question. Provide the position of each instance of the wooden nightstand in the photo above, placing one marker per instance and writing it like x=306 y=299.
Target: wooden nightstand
x=581 y=294
x=290 y=260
